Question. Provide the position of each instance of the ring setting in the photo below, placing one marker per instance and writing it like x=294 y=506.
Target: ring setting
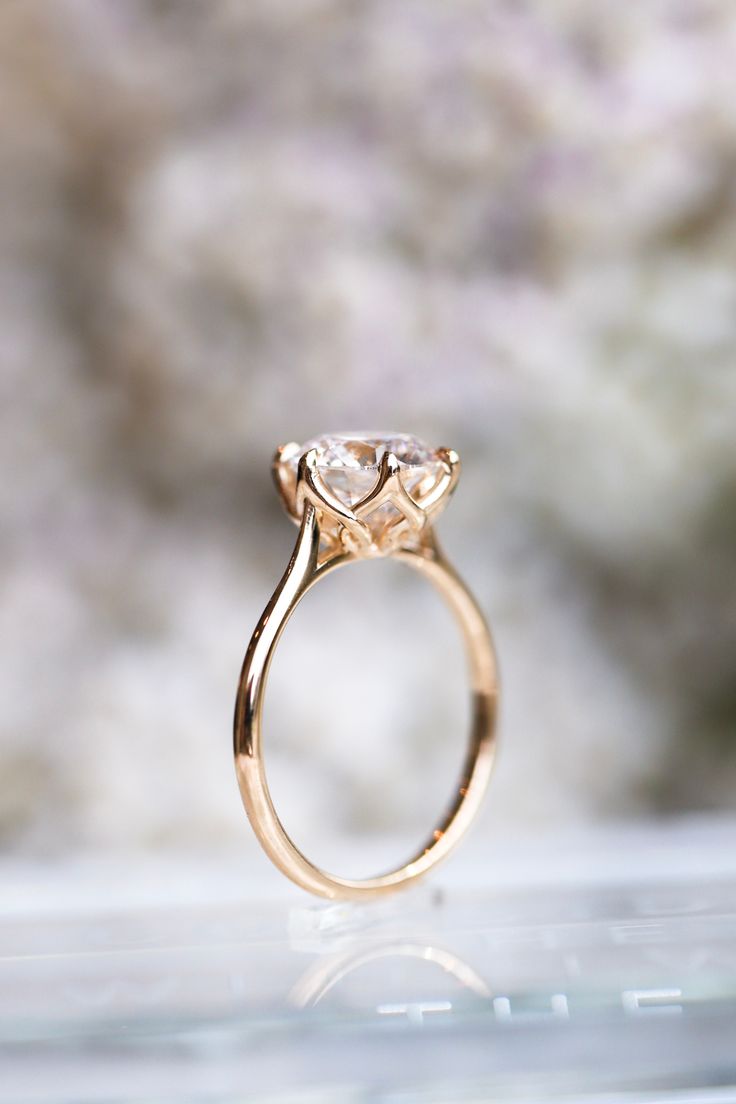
x=374 y=491
x=358 y=496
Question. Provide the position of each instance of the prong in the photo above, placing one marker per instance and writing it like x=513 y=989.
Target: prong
x=401 y=498
x=311 y=487
x=391 y=465
x=387 y=470
x=451 y=458
x=286 y=452
x=437 y=497
x=283 y=475
x=390 y=488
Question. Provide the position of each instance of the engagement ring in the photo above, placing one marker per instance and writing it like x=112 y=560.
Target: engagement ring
x=356 y=496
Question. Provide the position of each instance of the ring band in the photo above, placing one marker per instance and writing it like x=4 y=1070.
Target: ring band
x=357 y=496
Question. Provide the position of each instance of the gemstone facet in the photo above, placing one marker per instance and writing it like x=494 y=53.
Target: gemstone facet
x=349 y=464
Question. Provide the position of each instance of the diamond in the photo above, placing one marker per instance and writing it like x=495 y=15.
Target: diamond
x=349 y=465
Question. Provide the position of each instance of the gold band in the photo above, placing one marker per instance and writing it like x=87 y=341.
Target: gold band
x=304 y=570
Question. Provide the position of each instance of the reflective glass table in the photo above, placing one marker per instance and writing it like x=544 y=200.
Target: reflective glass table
x=595 y=971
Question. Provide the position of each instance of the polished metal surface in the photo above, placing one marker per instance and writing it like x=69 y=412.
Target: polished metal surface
x=319 y=550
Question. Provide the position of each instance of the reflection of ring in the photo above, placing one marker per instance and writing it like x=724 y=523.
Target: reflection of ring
x=317 y=981
x=357 y=496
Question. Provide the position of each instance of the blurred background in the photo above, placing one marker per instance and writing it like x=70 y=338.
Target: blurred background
x=505 y=227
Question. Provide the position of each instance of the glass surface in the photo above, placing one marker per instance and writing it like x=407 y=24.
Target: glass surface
x=599 y=988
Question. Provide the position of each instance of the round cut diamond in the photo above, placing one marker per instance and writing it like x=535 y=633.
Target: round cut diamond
x=349 y=462
x=349 y=465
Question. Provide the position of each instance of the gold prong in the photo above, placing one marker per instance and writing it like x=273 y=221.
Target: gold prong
x=311 y=487
x=401 y=498
x=391 y=464
x=286 y=452
x=377 y=493
x=451 y=460
x=437 y=497
x=390 y=488
x=283 y=475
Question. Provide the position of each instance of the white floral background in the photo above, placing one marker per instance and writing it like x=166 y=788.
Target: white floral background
x=507 y=227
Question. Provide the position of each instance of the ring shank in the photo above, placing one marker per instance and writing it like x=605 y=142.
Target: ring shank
x=301 y=574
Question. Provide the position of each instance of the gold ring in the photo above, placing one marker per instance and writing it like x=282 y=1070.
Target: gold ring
x=354 y=496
